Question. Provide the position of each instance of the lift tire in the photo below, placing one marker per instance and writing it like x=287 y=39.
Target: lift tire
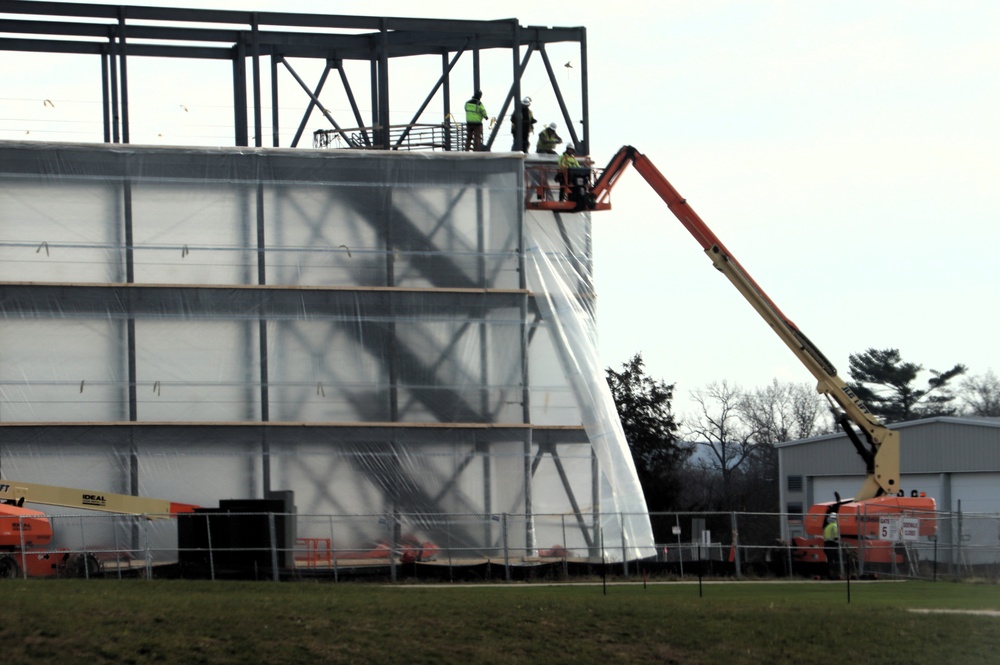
x=83 y=566
x=9 y=569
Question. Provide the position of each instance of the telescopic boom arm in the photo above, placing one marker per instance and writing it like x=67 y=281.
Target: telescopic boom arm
x=17 y=493
x=881 y=455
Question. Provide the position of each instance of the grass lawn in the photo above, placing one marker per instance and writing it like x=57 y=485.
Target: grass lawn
x=172 y=621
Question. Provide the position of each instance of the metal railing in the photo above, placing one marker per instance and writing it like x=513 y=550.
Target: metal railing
x=414 y=137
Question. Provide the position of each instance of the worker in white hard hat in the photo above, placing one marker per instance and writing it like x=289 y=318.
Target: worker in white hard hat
x=831 y=545
x=567 y=161
x=527 y=126
x=548 y=140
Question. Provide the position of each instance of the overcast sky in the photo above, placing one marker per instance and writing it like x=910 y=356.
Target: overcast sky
x=847 y=153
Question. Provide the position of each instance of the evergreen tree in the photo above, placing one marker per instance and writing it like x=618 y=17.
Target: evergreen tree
x=886 y=384
x=643 y=405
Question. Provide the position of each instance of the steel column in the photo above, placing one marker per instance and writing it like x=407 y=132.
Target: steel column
x=123 y=63
x=275 y=126
x=258 y=125
x=584 y=93
x=240 y=94
x=383 y=86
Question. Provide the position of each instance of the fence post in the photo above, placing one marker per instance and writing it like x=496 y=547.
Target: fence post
x=211 y=552
x=333 y=556
x=680 y=552
x=147 y=554
x=862 y=530
x=565 y=546
x=736 y=544
x=24 y=555
x=604 y=565
x=506 y=550
x=391 y=528
x=621 y=526
x=118 y=551
x=951 y=541
x=958 y=540
x=935 y=539
x=83 y=553
x=274 y=546
x=447 y=538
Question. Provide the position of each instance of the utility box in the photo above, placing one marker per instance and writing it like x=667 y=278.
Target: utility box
x=242 y=538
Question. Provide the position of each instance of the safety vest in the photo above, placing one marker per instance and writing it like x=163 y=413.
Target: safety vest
x=475 y=111
x=548 y=140
x=568 y=161
x=831 y=532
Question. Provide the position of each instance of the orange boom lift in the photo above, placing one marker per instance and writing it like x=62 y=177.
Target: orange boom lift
x=881 y=494
x=25 y=534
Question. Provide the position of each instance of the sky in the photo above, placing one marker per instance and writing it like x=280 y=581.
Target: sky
x=847 y=153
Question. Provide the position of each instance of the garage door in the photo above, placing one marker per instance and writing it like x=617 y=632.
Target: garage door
x=979 y=492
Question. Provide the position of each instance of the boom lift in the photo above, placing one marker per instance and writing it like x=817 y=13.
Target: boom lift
x=880 y=494
x=25 y=533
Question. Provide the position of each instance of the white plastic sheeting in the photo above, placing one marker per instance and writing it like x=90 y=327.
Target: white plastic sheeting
x=378 y=332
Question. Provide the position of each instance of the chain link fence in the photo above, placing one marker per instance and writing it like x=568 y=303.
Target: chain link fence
x=499 y=547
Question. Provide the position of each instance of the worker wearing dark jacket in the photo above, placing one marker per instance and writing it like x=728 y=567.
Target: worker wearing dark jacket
x=527 y=126
x=475 y=114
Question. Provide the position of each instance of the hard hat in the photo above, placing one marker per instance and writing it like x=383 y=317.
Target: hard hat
x=526 y=101
x=552 y=125
x=570 y=148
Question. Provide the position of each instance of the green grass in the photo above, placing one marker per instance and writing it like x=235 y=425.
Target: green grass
x=142 y=621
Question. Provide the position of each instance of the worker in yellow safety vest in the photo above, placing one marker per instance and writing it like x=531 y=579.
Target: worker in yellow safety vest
x=831 y=545
x=475 y=114
x=548 y=140
x=566 y=161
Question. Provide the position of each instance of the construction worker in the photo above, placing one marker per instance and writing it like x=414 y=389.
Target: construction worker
x=831 y=545
x=566 y=161
x=527 y=126
x=475 y=114
x=548 y=140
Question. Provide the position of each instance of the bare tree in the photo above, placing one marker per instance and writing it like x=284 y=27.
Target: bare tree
x=784 y=411
x=778 y=412
x=736 y=430
x=726 y=440
x=981 y=395
x=700 y=486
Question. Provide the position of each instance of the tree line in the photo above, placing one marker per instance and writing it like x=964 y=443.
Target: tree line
x=723 y=457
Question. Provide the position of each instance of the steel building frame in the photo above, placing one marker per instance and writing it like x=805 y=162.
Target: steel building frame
x=118 y=33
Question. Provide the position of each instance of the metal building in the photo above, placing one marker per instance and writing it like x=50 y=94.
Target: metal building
x=954 y=460
x=383 y=329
